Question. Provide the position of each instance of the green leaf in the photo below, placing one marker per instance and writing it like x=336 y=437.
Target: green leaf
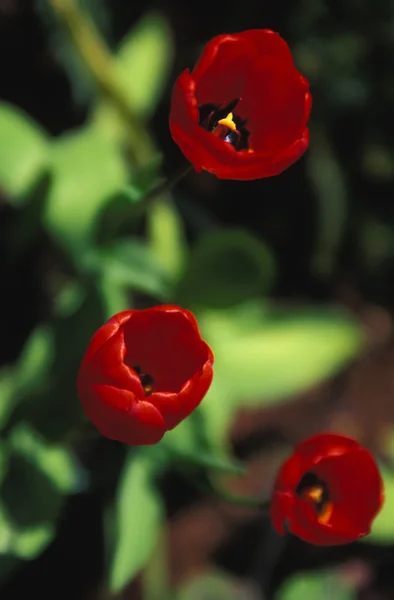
x=144 y=60
x=226 y=267
x=217 y=586
x=130 y=263
x=30 y=373
x=323 y=585
x=27 y=543
x=139 y=516
x=8 y=380
x=24 y=152
x=167 y=236
x=3 y=460
x=285 y=354
x=264 y=357
x=55 y=462
x=71 y=334
x=382 y=531
x=87 y=171
x=143 y=63
x=42 y=474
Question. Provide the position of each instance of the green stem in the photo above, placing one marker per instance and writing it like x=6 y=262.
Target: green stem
x=167 y=184
x=247 y=501
x=205 y=461
x=98 y=60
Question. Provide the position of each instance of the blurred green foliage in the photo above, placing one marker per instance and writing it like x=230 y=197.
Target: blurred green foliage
x=263 y=354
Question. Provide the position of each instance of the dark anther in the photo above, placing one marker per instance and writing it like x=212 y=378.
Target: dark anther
x=211 y=114
x=147 y=381
x=313 y=489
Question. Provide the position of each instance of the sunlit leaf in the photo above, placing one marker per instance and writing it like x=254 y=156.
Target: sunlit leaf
x=144 y=59
x=382 y=531
x=55 y=462
x=264 y=357
x=167 y=237
x=87 y=170
x=139 y=515
x=24 y=152
x=28 y=374
x=322 y=585
x=26 y=543
x=285 y=354
x=143 y=63
x=130 y=263
x=226 y=267
x=217 y=586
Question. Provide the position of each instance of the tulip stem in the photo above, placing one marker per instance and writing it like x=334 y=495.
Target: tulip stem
x=250 y=502
x=206 y=461
x=166 y=185
x=97 y=58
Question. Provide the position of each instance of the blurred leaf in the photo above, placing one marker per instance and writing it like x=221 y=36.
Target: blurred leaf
x=329 y=182
x=28 y=375
x=382 y=531
x=323 y=585
x=82 y=84
x=139 y=515
x=55 y=461
x=36 y=358
x=286 y=353
x=26 y=543
x=167 y=236
x=143 y=62
x=8 y=381
x=144 y=59
x=130 y=263
x=3 y=460
x=24 y=152
x=115 y=296
x=217 y=586
x=33 y=493
x=71 y=335
x=262 y=360
x=87 y=170
x=226 y=267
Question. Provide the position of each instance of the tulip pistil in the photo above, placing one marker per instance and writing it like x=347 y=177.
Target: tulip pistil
x=147 y=381
x=221 y=121
x=315 y=491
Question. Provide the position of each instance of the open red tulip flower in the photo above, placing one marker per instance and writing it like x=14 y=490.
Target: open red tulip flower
x=143 y=372
x=328 y=492
x=242 y=113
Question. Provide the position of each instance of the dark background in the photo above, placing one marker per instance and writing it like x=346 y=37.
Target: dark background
x=330 y=225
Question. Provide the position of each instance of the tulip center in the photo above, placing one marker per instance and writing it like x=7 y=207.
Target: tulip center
x=147 y=381
x=220 y=120
x=315 y=491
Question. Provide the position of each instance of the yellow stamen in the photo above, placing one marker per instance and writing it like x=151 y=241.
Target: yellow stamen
x=148 y=389
x=314 y=493
x=326 y=513
x=228 y=122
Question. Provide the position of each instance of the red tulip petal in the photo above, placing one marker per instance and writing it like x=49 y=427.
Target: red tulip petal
x=105 y=332
x=120 y=416
x=167 y=346
x=221 y=69
x=325 y=445
x=273 y=101
x=268 y=43
x=107 y=366
x=355 y=487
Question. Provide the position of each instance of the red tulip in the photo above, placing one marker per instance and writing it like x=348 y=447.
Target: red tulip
x=242 y=112
x=328 y=492
x=144 y=372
